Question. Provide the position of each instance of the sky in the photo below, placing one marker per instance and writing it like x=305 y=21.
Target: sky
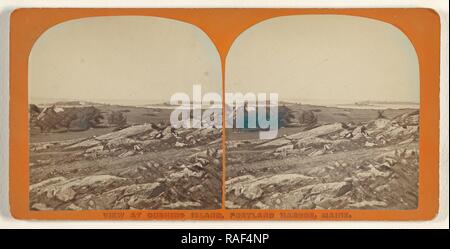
x=325 y=57
x=131 y=59
x=122 y=60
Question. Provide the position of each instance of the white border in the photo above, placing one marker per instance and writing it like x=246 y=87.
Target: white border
x=6 y=6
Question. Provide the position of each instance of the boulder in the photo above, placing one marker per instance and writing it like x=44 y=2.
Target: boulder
x=253 y=188
x=84 y=144
x=41 y=207
x=65 y=194
x=315 y=142
x=285 y=148
x=182 y=205
x=368 y=205
x=95 y=149
x=121 y=142
x=185 y=172
x=274 y=143
x=332 y=189
x=380 y=123
x=127 y=132
x=67 y=190
x=318 y=131
x=46 y=183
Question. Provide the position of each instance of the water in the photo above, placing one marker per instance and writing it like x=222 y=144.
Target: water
x=374 y=105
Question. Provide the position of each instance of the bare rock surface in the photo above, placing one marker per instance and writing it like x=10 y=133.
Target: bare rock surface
x=137 y=167
x=369 y=165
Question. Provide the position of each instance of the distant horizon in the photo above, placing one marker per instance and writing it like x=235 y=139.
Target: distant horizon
x=314 y=102
x=292 y=56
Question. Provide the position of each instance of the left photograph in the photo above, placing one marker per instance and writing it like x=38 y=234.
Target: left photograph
x=101 y=100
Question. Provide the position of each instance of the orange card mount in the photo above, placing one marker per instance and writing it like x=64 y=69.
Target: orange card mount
x=93 y=96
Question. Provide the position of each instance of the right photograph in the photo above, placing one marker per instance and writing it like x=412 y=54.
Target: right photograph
x=344 y=123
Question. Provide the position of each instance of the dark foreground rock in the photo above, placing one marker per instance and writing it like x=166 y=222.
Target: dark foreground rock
x=371 y=165
x=138 y=167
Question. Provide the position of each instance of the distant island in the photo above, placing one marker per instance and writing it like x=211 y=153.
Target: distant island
x=370 y=102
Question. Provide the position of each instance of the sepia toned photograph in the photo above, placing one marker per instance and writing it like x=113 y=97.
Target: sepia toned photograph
x=342 y=130
x=100 y=136
x=347 y=116
x=194 y=116
x=294 y=112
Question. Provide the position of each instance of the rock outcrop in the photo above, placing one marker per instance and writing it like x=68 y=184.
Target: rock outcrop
x=372 y=165
x=138 y=167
